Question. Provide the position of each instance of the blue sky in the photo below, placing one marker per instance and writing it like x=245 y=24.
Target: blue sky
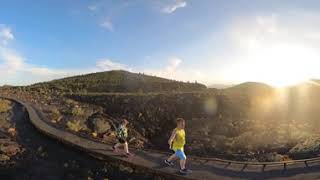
x=211 y=41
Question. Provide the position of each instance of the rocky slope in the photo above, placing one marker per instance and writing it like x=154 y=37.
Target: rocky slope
x=118 y=81
x=250 y=121
x=27 y=154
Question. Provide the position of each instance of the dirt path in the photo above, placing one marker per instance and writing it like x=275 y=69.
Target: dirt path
x=46 y=159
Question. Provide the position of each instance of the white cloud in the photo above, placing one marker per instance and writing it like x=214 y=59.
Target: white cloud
x=172 y=7
x=5 y=35
x=105 y=12
x=11 y=61
x=107 y=24
x=17 y=71
x=92 y=8
x=170 y=71
x=292 y=27
x=285 y=44
x=107 y=64
x=23 y=73
x=175 y=70
x=174 y=63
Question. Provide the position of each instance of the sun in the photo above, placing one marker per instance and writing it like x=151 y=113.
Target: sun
x=278 y=65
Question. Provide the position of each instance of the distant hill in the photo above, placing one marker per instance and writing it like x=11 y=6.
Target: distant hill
x=220 y=86
x=252 y=88
x=118 y=81
x=314 y=82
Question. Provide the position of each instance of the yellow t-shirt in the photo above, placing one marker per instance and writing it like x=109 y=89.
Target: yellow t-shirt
x=180 y=140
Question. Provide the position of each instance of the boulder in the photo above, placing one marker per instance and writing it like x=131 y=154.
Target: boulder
x=98 y=123
x=273 y=157
x=5 y=121
x=10 y=149
x=125 y=169
x=308 y=148
x=12 y=132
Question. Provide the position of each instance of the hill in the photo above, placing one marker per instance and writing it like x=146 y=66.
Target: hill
x=118 y=81
x=251 y=85
x=251 y=88
x=249 y=121
x=220 y=86
x=314 y=82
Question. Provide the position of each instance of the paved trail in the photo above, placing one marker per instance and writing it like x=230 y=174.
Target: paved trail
x=48 y=159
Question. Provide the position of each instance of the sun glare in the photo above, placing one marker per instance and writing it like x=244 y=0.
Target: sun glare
x=279 y=65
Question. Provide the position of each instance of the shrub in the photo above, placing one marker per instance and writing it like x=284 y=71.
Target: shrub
x=5 y=106
x=75 y=126
x=55 y=115
x=77 y=111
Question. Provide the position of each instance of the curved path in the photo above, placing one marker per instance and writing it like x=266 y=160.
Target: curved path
x=203 y=168
x=43 y=158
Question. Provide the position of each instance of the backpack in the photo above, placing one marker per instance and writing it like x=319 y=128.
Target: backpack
x=122 y=132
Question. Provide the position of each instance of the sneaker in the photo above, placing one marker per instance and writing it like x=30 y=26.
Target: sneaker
x=128 y=154
x=169 y=163
x=185 y=171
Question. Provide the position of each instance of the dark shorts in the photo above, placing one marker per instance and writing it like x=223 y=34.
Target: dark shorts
x=122 y=140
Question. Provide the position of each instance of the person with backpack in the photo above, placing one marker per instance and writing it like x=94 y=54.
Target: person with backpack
x=176 y=143
x=122 y=135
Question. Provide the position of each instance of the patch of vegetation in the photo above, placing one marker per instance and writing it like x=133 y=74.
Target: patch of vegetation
x=77 y=111
x=74 y=110
x=5 y=106
x=55 y=115
x=117 y=81
x=75 y=125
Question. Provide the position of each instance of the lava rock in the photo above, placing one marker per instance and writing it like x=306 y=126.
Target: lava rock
x=309 y=147
x=98 y=123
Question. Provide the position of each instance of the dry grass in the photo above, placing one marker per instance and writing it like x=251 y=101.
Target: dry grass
x=75 y=126
x=55 y=115
x=5 y=106
x=77 y=111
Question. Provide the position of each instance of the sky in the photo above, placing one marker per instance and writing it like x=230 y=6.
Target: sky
x=208 y=41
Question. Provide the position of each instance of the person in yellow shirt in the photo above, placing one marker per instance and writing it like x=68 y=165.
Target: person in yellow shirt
x=176 y=143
